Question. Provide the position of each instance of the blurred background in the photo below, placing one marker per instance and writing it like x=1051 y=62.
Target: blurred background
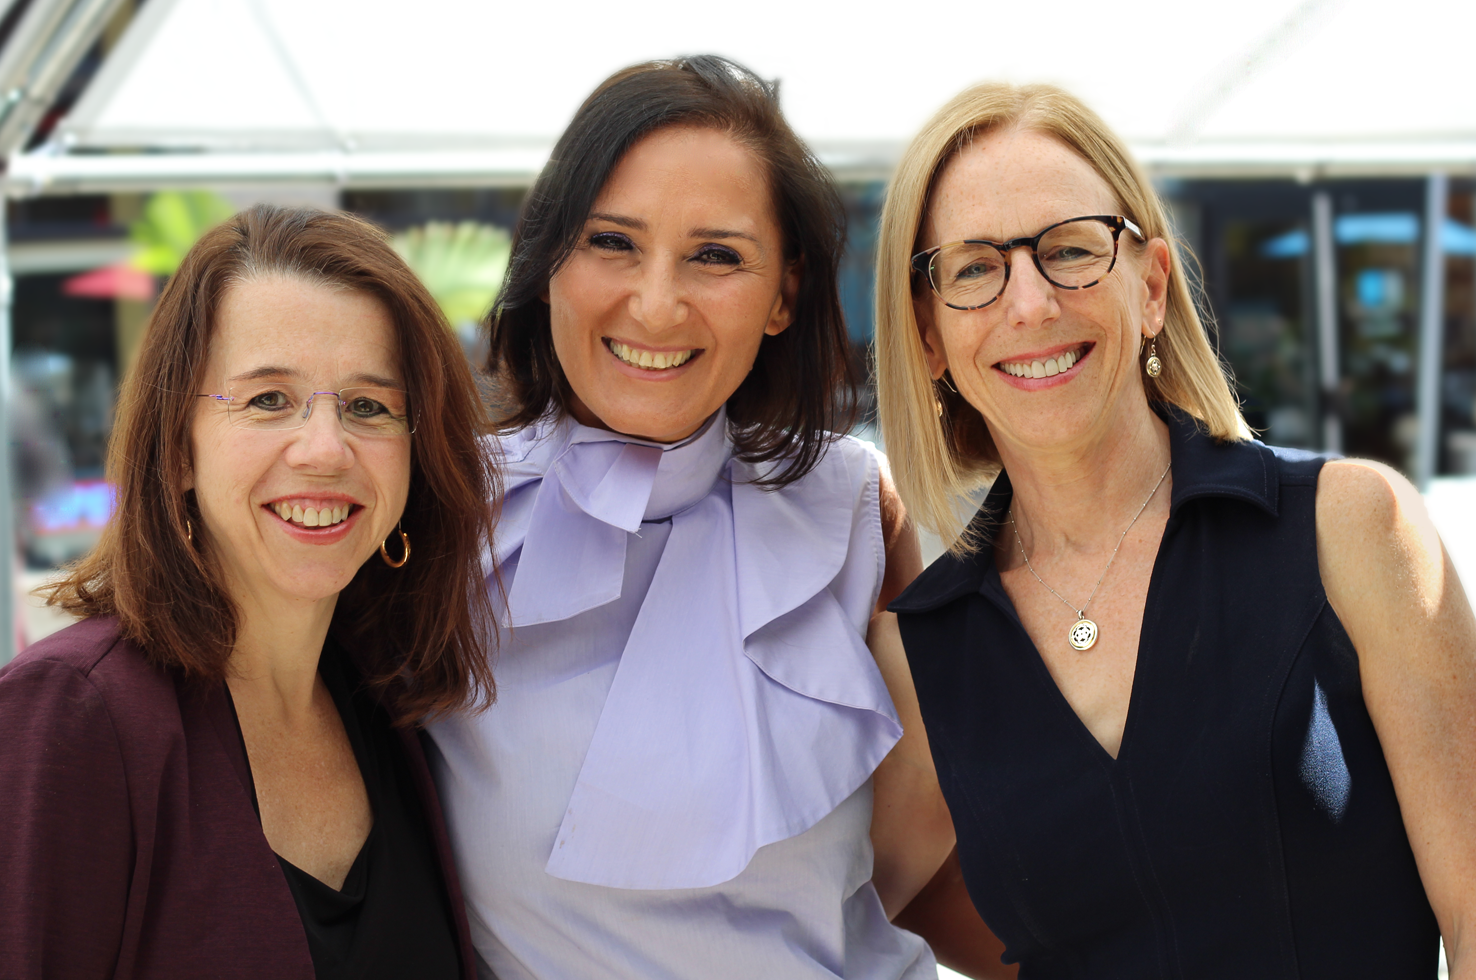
x=1318 y=157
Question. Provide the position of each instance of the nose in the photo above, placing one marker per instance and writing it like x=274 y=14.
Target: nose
x=658 y=302
x=1029 y=299
x=321 y=443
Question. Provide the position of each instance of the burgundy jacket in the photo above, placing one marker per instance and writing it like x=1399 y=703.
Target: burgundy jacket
x=129 y=847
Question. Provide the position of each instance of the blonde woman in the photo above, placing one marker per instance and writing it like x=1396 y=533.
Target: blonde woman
x=1199 y=707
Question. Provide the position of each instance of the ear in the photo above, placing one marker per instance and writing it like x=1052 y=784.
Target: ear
x=932 y=337
x=1158 y=262
x=782 y=313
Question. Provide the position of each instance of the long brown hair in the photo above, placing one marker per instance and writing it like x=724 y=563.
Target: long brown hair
x=417 y=633
x=802 y=386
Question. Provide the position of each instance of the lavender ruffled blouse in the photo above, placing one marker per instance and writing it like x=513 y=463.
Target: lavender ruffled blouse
x=675 y=780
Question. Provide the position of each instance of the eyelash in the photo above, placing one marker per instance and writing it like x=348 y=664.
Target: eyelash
x=717 y=255
x=707 y=254
x=611 y=241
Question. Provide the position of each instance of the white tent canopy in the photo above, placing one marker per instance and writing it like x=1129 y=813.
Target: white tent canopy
x=381 y=93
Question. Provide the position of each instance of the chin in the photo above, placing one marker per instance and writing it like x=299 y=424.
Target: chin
x=654 y=422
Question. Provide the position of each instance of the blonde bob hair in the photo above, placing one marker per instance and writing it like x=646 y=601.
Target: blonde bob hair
x=939 y=459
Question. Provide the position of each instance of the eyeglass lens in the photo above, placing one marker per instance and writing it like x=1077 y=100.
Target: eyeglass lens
x=371 y=411
x=1072 y=255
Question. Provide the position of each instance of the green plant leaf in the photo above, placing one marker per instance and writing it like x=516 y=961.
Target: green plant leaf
x=171 y=224
x=461 y=264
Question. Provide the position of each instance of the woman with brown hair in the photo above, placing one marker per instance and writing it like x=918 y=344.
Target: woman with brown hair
x=218 y=771
x=1199 y=707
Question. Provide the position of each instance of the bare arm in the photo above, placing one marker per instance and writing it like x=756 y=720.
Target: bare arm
x=904 y=557
x=944 y=915
x=1393 y=587
x=911 y=828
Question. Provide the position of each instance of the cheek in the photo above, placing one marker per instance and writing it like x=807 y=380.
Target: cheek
x=390 y=465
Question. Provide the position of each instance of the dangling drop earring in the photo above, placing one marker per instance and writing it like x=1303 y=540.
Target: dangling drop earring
x=1154 y=366
x=190 y=532
x=405 y=541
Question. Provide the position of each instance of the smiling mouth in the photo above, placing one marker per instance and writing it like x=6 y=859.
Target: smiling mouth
x=650 y=360
x=1045 y=368
x=325 y=515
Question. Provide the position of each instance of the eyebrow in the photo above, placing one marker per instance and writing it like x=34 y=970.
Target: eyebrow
x=636 y=224
x=723 y=233
x=360 y=380
x=267 y=371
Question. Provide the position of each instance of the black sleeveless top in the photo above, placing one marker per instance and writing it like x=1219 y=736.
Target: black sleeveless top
x=1248 y=827
x=392 y=917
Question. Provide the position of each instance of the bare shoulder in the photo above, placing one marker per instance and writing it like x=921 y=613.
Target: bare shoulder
x=1362 y=504
x=1375 y=540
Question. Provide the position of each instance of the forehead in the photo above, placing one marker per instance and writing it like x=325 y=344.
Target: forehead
x=320 y=332
x=682 y=171
x=1012 y=183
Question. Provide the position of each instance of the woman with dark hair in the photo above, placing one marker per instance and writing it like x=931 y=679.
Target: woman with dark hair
x=217 y=772
x=677 y=781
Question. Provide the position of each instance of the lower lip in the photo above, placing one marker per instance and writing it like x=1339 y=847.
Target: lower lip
x=1036 y=384
x=647 y=374
x=331 y=534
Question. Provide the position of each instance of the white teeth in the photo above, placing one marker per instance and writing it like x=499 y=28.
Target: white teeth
x=650 y=360
x=312 y=516
x=1048 y=368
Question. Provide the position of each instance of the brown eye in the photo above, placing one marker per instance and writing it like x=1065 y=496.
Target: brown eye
x=610 y=241
x=717 y=255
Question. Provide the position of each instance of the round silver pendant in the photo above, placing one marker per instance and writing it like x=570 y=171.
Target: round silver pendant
x=1154 y=367
x=1083 y=635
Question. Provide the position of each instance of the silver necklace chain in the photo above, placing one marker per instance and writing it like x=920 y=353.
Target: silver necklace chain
x=1081 y=613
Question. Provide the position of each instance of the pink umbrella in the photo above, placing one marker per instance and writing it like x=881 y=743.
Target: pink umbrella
x=121 y=281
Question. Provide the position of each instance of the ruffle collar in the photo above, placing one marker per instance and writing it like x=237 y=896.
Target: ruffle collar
x=746 y=705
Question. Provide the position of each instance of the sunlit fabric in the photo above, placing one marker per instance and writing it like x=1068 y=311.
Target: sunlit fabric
x=1324 y=770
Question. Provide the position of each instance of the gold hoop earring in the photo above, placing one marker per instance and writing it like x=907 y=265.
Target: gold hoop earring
x=405 y=541
x=190 y=532
x=1154 y=366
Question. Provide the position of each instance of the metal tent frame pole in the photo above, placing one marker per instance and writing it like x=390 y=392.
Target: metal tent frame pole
x=1325 y=278
x=1432 y=330
x=41 y=55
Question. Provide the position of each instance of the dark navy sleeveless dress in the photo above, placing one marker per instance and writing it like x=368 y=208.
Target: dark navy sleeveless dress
x=1248 y=827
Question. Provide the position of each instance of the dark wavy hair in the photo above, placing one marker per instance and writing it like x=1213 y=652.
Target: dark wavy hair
x=802 y=386
x=417 y=633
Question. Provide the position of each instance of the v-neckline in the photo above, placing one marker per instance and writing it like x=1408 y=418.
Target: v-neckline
x=994 y=590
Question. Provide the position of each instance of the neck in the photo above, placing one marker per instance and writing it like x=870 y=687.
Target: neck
x=274 y=665
x=1079 y=498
